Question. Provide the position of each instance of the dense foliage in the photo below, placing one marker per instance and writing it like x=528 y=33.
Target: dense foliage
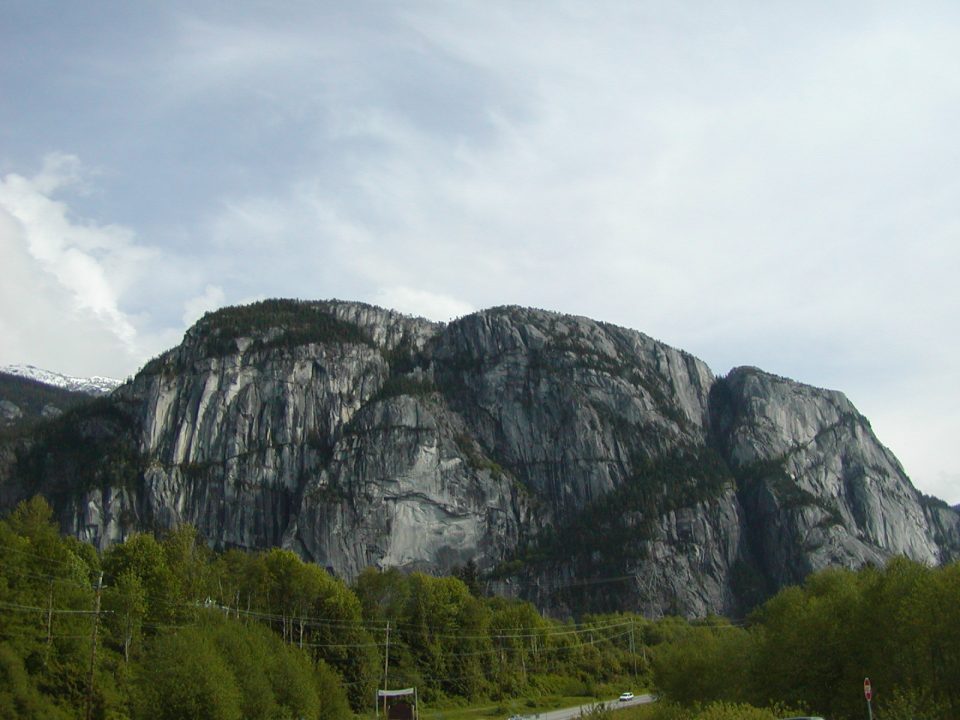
x=90 y=446
x=159 y=644
x=451 y=643
x=182 y=632
x=717 y=710
x=605 y=537
x=31 y=398
x=175 y=631
x=629 y=513
x=812 y=647
x=277 y=323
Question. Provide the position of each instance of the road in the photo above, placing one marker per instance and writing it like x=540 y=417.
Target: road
x=574 y=712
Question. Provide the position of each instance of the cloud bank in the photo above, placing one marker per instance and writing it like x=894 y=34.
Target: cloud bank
x=767 y=184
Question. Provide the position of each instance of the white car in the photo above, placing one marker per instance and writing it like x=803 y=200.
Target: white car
x=624 y=697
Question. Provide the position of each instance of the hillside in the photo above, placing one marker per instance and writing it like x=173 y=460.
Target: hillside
x=24 y=401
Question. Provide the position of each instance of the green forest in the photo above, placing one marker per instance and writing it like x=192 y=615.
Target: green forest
x=165 y=628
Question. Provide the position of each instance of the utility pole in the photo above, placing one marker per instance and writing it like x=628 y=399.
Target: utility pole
x=386 y=657
x=49 y=624
x=93 y=646
x=386 y=669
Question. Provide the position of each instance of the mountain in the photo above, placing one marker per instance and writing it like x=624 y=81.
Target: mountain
x=24 y=401
x=584 y=466
x=95 y=385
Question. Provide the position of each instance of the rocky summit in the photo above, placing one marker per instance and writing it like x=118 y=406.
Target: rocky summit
x=583 y=466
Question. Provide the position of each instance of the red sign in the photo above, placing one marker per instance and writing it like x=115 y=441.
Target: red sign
x=867 y=690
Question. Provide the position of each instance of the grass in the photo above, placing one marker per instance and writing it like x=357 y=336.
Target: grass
x=505 y=708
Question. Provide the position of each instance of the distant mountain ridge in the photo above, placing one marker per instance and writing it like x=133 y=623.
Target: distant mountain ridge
x=584 y=466
x=25 y=402
x=94 y=385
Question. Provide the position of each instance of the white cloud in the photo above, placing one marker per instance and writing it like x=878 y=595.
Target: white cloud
x=212 y=298
x=74 y=254
x=65 y=279
x=421 y=303
x=58 y=170
x=773 y=185
x=41 y=321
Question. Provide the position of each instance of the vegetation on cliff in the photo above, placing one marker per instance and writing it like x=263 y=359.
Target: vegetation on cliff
x=268 y=324
x=30 y=402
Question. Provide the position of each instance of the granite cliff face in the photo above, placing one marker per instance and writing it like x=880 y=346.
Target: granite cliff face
x=817 y=486
x=578 y=464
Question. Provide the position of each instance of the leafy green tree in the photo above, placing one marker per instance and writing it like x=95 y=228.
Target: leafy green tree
x=319 y=613
x=20 y=698
x=810 y=635
x=338 y=636
x=242 y=580
x=446 y=630
x=187 y=560
x=734 y=711
x=334 y=704
x=383 y=594
x=183 y=677
x=32 y=520
x=666 y=629
x=45 y=590
x=707 y=664
x=125 y=603
x=249 y=653
x=937 y=641
x=222 y=668
x=142 y=557
x=518 y=636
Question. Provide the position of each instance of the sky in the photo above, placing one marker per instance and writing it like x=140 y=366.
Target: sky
x=759 y=183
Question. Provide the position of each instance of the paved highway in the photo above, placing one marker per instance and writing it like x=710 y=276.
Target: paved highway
x=574 y=712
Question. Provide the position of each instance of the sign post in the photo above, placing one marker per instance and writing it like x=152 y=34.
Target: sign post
x=868 y=694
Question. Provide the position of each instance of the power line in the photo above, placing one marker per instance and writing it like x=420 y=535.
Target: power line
x=493 y=636
x=34 y=635
x=56 y=611
x=43 y=558
x=57 y=579
x=544 y=650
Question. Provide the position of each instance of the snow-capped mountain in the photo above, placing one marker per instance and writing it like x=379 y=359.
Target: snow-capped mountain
x=95 y=385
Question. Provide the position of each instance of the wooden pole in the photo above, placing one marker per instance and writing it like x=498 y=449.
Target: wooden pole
x=386 y=657
x=49 y=622
x=386 y=668
x=93 y=646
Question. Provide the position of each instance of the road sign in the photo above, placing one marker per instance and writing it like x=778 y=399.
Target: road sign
x=867 y=689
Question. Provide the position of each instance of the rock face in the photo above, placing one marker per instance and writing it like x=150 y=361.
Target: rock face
x=817 y=486
x=581 y=465
x=9 y=412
